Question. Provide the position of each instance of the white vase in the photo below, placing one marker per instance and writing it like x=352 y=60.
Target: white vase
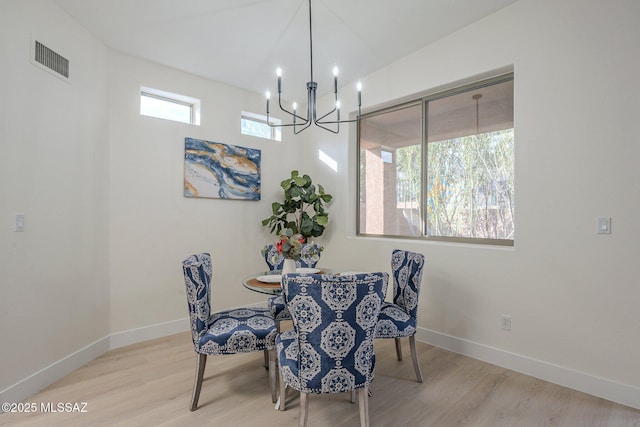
x=289 y=266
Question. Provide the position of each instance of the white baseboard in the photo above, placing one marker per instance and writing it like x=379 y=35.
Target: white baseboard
x=52 y=373
x=616 y=392
x=159 y=330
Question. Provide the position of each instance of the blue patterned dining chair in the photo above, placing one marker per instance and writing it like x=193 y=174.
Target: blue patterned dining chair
x=399 y=319
x=330 y=348
x=272 y=257
x=239 y=330
x=309 y=257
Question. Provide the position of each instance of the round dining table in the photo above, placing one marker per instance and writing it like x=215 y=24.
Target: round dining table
x=269 y=282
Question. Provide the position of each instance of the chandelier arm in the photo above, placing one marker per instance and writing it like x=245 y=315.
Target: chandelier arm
x=338 y=121
x=284 y=125
x=319 y=120
x=329 y=122
x=335 y=103
x=305 y=120
x=297 y=131
x=306 y=123
x=329 y=129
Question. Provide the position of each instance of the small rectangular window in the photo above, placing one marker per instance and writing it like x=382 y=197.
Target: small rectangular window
x=169 y=106
x=256 y=125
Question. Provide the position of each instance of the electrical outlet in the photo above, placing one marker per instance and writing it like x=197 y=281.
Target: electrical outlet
x=505 y=322
x=604 y=225
x=19 y=225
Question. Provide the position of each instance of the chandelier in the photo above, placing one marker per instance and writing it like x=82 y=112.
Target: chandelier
x=300 y=123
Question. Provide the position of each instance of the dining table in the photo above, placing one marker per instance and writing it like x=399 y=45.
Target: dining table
x=269 y=282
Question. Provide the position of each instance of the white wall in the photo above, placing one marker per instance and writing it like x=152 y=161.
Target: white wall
x=572 y=294
x=154 y=227
x=54 y=276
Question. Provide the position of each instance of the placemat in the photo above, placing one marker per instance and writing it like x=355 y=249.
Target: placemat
x=259 y=284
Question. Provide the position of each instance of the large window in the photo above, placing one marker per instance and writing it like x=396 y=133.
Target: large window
x=441 y=167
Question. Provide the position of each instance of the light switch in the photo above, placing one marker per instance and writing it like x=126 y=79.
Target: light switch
x=604 y=225
x=19 y=222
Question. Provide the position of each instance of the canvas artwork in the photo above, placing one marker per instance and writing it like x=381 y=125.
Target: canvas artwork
x=221 y=171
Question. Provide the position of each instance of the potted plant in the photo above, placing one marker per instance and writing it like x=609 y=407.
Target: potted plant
x=302 y=210
x=290 y=248
x=296 y=219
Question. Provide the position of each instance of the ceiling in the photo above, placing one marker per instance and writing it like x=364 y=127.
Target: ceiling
x=241 y=42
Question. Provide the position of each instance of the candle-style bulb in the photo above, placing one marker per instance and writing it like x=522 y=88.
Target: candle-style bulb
x=279 y=74
x=295 y=106
x=359 y=87
x=268 y=94
x=337 y=105
x=335 y=71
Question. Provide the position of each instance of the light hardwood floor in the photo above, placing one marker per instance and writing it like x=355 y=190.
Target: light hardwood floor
x=149 y=384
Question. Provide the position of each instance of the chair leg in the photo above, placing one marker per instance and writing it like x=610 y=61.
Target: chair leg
x=304 y=409
x=353 y=396
x=202 y=362
x=282 y=398
x=363 y=394
x=398 y=348
x=266 y=359
x=273 y=379
x=414 y=356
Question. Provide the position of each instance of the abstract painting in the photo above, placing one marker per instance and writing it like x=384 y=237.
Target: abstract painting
x=221 y=171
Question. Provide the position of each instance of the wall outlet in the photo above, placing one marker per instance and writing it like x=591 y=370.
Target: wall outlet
x=505 y=322
x=604 y=225
x=19 y=224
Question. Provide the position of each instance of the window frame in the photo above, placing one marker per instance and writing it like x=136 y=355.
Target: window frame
x=423 y=100
x=276 y=132
x=172 y=98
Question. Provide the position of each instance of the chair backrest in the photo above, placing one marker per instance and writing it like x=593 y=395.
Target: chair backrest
x=273 y=259
x=197 y=279
x=407 y=276
x=335 y=318
x=309 y=256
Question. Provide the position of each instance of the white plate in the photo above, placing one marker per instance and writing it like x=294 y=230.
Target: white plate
x=351 y=273
x=307 y=270
x=270 y=278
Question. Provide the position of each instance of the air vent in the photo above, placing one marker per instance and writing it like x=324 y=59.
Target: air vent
x=49 y=60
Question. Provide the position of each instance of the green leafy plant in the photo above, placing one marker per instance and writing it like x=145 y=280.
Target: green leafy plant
x=302 y=210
